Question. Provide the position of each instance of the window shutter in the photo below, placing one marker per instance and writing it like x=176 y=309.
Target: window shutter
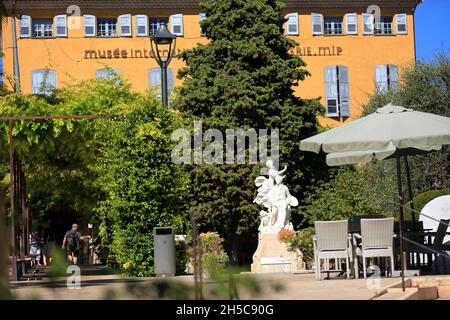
x=89 y=25
x=125 y=25
x=368 y=23
x=154 y=77
x=25 y=26
x=344 y=95
x=393 y=77
x=292 y=23
x=37 y=78
x=51 y=79
x=317 y=23
x=331 y=92
x=351 y=20
x=102 y=73
x=170 y=79
x=381 y=78
x=177 y=24
x=61 y=25
x=201 y=16
x=401 y=23
x=141 y=25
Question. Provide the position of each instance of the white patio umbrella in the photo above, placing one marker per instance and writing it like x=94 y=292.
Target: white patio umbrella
x=391 y=131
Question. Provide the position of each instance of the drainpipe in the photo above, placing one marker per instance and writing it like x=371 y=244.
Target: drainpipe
x=15 y=52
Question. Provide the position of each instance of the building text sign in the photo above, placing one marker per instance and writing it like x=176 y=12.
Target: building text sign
x=317 y=51
x=118 y=53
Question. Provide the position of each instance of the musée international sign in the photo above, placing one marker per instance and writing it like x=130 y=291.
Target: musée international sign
x=119 y=53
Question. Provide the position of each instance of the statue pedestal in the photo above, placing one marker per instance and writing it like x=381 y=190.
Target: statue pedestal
x=273 y=256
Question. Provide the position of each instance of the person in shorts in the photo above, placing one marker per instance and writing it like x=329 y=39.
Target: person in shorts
x=36 y=246
x=71 y=243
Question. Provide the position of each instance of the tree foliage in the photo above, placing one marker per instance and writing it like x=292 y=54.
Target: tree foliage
x=244 y=78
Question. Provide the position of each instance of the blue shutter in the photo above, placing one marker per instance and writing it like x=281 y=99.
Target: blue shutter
x=102 y=73
x=37 y=79
x=25 y=26
x=393 y=77
x=177 y=24
x=381 y=78
x=170 y=79
x=292 y=23
x=202 y=16
x=61 y=25
x=154 y=77
x=331 y=91
x=344 y=95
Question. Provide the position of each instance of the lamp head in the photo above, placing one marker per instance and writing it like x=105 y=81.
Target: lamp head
x=163 y=35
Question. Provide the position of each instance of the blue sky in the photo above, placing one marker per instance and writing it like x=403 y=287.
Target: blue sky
x=432 y=28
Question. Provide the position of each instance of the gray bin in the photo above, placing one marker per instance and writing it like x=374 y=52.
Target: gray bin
x=164 y=251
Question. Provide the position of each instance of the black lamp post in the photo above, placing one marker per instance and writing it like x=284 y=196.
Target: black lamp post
x=163 y=37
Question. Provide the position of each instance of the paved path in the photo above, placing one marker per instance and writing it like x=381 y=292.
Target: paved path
x=271 y=286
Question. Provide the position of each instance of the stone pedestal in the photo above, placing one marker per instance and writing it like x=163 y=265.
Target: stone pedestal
x=273 y=256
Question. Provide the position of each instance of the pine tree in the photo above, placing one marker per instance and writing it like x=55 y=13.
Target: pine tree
x=244 y=78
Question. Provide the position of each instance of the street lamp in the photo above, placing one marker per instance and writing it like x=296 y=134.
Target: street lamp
x=163 y=37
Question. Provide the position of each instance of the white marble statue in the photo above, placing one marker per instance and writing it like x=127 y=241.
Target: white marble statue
x=276 y=199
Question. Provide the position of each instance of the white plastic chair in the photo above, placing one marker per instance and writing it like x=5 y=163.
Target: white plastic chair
x=331 y=241
x=376 y=241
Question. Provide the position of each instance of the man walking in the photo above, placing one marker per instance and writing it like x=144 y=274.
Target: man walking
x=72 y=238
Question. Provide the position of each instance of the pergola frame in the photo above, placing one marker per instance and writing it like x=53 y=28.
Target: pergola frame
x=18 y=191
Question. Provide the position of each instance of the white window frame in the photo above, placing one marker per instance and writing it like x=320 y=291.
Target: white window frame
x=125 y=21
x=145 y=18
x=177 y=20
x=37 y=89
x=94 y=25
x=315 y=16
x=397 y=23
x=371 y=18
x=57 y=22
x=292 y=20
x=347 y=23
x=25 y=22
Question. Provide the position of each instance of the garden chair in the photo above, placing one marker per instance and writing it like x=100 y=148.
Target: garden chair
x=376 y=242
x=332 y=241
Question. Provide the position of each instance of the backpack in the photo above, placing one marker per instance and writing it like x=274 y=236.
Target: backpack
x=72 y=241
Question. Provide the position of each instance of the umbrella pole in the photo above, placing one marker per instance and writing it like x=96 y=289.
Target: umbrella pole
x=401 y=218
x=410 y=192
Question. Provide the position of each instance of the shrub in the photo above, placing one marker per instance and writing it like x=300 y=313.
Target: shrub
x=214 y=257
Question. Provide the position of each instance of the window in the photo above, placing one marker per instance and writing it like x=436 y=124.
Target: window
x=141 y=25
x=202 y=16
x=61 y=25
x=42 y=28
x=384 y=26
x=106 y=27
x=386 y=77
x=154 y=79
x=89 y=25
x=333 y=25
x=177 y=24
x=107 y=73
x=351 y=20
x=401 y=24
x=368 y=23
x=317 y=23
x=337 y=101
x=25 y=26
x=125 y=25
x=155 y=23
x=43 y=81
x=292 y=23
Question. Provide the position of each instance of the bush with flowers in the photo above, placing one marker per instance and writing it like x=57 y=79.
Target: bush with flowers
x=214 y=258
x=301 y=240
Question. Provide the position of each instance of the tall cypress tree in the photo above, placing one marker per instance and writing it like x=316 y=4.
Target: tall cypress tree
x=244 y=78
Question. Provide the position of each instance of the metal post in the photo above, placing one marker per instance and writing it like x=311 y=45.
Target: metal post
x=165 y=98
x=13 y=209
x=410 y=191
x=400 y=212
x=15 y=52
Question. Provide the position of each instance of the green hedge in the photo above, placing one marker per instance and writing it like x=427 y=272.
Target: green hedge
x=422 y=199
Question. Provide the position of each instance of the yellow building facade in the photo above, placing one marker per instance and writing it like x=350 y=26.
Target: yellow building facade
x=351 y=49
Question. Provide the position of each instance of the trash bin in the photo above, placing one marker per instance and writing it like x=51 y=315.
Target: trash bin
x=164 y=251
